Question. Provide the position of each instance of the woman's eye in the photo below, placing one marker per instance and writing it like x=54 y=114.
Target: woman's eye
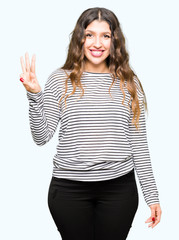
x=106 y=36
x=88 y=35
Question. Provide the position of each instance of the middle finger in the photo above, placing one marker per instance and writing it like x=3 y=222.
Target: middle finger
x=27 y=62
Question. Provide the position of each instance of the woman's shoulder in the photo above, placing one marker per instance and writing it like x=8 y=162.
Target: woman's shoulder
x=138 y=85
x=58 y=76
x=59 y=73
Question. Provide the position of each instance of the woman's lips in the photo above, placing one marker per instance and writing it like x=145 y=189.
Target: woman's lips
x=96 y=53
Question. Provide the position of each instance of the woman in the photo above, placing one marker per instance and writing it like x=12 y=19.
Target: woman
x=102 y=136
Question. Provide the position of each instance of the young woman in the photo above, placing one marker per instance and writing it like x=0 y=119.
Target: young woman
x=99 y=102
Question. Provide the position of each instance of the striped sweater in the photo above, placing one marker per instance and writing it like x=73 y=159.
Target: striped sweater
x=97 y=140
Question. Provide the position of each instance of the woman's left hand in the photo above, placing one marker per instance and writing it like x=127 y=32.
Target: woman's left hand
x=155 y=217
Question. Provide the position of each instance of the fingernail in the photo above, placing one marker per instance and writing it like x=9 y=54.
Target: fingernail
x=21 y=79
x=153 y=219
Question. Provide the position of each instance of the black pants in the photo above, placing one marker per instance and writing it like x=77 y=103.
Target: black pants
x=101 y=210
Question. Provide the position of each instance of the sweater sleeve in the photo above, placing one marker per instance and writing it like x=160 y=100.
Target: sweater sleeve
x=44 y=114
x=141 y=156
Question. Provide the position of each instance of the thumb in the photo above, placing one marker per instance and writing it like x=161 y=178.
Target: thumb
x=152 y=217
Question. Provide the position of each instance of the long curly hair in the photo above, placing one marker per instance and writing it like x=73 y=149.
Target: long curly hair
x=117 y=61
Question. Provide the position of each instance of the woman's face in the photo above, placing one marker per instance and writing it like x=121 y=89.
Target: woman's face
x=97 y=45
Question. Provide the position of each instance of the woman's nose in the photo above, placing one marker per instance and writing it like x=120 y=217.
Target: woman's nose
x=97 y=42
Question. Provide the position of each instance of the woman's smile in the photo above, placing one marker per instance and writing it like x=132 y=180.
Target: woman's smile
x=96 y=53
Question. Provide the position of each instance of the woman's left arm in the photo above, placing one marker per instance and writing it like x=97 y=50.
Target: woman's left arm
x=142 y=163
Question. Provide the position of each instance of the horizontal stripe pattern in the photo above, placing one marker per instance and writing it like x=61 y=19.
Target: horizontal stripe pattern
x=96 y=140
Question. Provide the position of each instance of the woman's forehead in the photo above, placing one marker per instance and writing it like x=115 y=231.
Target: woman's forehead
x=99 y=26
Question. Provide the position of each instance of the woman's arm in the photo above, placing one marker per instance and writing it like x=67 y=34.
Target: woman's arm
x=141 y=157
x=142 y=164
x=44 y=114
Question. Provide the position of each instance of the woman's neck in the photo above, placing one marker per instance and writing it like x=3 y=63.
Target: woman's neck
x=96 y=69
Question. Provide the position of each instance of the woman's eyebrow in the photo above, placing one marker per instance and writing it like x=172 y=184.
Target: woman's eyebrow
x=94 y=32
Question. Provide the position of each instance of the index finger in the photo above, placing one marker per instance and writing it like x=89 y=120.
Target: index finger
x=22 y=64
x=32 y=68
x=155 y=223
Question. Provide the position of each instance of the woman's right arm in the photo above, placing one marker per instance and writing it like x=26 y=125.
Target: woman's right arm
x=44 y=112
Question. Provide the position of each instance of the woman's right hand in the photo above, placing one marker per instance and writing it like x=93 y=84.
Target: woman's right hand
x=28 y=77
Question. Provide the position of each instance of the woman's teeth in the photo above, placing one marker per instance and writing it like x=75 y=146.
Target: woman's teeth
x=96 y=53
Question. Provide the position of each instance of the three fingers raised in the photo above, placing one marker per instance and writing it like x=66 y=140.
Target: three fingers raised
x=27 y=67
x=28 y=76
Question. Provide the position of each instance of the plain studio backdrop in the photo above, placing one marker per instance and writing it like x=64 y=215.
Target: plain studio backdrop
x=43 y=28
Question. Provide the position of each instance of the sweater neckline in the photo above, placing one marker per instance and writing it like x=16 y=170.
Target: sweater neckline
x=107 y=73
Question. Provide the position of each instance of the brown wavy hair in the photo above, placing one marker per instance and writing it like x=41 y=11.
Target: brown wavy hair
x=117 y=61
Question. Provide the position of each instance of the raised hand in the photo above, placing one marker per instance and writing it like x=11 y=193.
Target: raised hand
x=28 y=77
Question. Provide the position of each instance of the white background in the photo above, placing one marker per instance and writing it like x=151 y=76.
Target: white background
x=43 y=28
